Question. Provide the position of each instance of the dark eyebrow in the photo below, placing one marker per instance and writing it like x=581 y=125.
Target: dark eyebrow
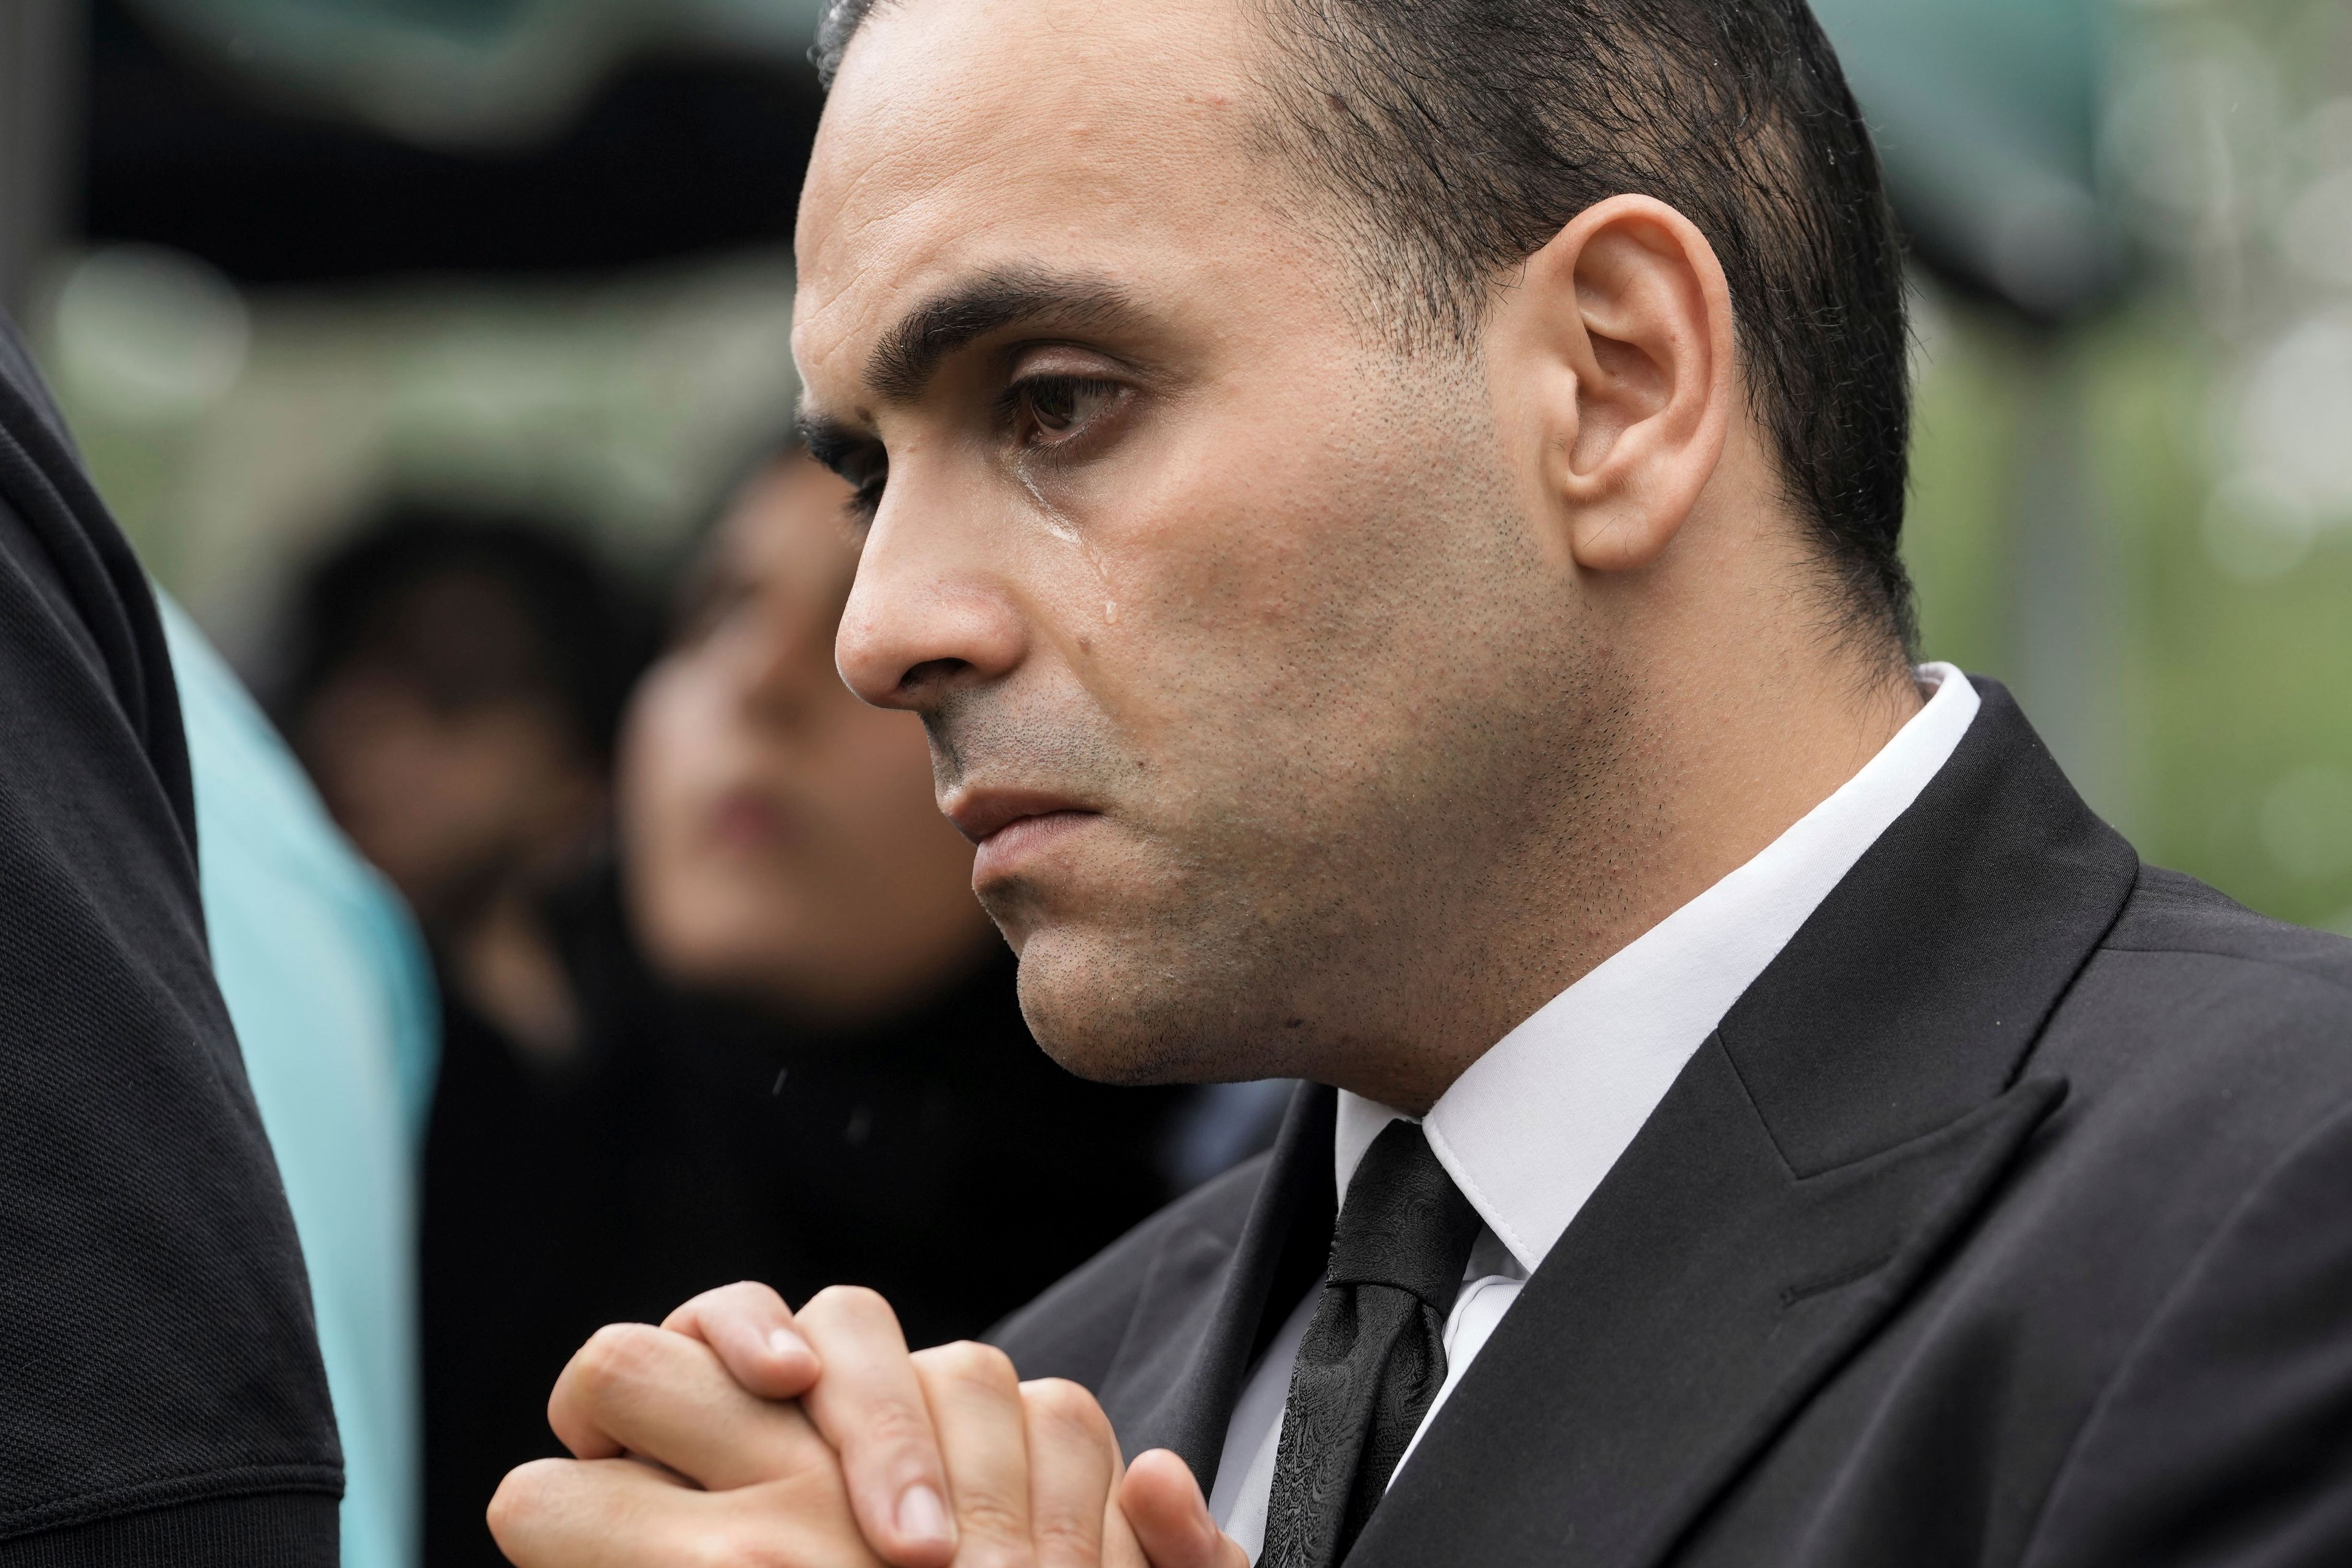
x=905 y=360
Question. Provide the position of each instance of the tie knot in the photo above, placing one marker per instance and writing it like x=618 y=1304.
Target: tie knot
x=1405 y=1224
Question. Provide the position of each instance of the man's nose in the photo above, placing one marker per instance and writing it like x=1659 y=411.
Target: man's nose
x=923 y=618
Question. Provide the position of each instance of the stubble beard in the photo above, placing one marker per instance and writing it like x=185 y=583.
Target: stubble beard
x=1286 y=930
x=1252 y=918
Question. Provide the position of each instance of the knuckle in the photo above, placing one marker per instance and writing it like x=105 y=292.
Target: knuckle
x=615 y=1355
x=746 y=1299
x=752 y=1290
x=979 y=1366
x=894 y=1424
x=519 y=1496
x=1061 y=1403
x=850 y=1306
x=995 y=1529
x=540 y=1506
x=1068 y=1538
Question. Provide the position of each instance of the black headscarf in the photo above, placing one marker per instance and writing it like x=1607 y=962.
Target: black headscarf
x=162 y=1398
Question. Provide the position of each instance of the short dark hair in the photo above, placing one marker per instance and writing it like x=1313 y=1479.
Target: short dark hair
x=549 y=623
x=1461 y=135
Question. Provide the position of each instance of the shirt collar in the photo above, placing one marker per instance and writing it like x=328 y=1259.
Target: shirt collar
x=1529 y=1130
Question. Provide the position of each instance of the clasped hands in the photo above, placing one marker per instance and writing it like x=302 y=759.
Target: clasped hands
x=740 y=1434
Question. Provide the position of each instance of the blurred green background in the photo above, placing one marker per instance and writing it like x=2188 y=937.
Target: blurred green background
x=2142 y=515
x=288 y=258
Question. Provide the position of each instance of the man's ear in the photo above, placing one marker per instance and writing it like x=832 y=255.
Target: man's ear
x=1614 y=358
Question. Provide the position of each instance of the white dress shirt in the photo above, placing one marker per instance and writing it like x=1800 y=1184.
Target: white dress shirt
x=1529 y=1130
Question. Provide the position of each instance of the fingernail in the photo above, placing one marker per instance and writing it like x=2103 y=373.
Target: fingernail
x=922 y=1515
x=784 y=1345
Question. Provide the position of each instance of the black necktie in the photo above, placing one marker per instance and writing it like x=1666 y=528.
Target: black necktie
x=1374 y=1355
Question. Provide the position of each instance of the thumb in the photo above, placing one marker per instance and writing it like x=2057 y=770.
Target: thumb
x=1170 y=1518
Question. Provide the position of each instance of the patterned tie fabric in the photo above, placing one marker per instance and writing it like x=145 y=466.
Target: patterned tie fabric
x=1374 y=1355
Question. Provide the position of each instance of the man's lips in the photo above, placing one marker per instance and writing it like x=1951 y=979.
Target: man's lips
x=1009 y=823
x=981 y=814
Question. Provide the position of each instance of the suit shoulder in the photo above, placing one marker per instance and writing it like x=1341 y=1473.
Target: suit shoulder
x=2169 y=913
x=1076 y=1328
x=2196 y=1014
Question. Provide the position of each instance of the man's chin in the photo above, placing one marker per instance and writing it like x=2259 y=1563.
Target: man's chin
x=1104 y=1009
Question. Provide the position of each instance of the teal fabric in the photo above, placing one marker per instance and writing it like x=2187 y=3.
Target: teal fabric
x=332 y=999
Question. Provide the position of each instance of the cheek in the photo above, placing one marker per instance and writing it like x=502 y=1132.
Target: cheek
x=1253 y=618
x=1265 y=529
x=667 y=751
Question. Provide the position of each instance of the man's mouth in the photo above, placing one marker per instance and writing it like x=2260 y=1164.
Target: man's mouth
x=1010 y=826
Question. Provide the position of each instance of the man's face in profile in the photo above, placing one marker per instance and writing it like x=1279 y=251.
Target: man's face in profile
x=1173 y=548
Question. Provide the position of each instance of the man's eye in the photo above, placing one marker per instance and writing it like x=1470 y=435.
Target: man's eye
x=867 y=472
x=866 y=500
x=1052 y=409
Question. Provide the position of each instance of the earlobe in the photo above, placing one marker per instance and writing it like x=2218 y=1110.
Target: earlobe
x=1621 y=332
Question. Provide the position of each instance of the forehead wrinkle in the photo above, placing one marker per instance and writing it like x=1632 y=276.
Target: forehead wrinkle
x=902 y=363
x=988 y=94
x=994 y=137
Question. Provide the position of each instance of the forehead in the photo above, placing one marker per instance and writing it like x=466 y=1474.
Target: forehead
x=965 y=136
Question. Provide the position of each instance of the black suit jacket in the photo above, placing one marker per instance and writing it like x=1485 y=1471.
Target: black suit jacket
x=2006 y=1219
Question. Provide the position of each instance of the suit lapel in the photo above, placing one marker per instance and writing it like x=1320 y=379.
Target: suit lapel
x=1816 y=1160
x=1203 y=1313
x=1703 y=1294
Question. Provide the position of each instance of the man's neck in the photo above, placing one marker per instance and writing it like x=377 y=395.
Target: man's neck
x=1713 y=772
